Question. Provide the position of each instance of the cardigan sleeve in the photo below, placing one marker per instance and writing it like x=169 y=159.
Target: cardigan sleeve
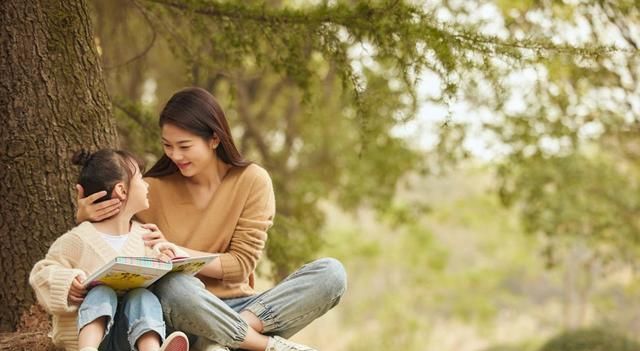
x=52 y=276
x=250 y=234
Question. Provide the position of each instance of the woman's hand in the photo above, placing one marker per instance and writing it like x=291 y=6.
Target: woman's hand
x=153 y=238
x=87 y=210
x=165 y=255
x=76 y=292
x=169 y=250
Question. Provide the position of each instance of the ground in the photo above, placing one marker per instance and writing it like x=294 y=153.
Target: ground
x=31 y=334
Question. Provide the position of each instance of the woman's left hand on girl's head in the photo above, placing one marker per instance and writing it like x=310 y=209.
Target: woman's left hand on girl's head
x=154 y=237
x=89 y=211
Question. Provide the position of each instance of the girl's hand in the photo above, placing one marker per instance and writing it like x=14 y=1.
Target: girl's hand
x=76 y=292
x=88 y=211
x=153 y=238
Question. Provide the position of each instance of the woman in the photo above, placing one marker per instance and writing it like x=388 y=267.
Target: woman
x=206 y=197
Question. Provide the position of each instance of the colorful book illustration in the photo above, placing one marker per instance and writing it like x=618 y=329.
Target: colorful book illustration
x=126 y=273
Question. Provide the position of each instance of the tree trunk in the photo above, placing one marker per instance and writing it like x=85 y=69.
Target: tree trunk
x=53 y=101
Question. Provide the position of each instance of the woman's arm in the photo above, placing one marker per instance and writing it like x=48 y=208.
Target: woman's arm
x=248 y=239
x=213 y=269
x=250 y=233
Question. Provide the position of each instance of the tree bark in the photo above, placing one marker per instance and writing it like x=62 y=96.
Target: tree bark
x=53 y=101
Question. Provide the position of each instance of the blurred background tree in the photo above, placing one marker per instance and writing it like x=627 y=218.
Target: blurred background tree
x=319 y=93
x=564 y=132
x=313 y=91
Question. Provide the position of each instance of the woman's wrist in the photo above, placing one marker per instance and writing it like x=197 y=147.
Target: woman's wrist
x=79 y=217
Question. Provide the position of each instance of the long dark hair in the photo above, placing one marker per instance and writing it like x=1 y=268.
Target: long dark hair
x=197 y=111
x=105 y=168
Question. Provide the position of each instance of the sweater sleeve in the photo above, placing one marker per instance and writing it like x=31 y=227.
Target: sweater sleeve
x=250 y=234
x=52 y=276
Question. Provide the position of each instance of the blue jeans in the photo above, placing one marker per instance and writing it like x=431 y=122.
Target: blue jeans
x=285 y=309
x=128 y=318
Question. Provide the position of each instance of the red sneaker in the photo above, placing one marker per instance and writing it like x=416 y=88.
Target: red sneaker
x=176 y=341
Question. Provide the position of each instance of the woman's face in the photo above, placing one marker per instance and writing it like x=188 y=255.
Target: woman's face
x=190 y=152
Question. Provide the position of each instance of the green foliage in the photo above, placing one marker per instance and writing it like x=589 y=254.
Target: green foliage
x=313 y=92
x=526 y=346
x=419 y=282
x=137 y=127
x=592 y=339
x=567 y=158
x=401 y=39
x=590 y=198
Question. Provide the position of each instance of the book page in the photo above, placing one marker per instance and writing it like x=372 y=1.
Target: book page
x=191 y=265
x=126 y=273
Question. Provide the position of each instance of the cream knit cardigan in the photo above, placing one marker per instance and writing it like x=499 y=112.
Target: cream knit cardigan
x=81 y=250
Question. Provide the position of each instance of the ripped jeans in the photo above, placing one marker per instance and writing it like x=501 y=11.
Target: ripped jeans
x=299 y=299
x=128 y=317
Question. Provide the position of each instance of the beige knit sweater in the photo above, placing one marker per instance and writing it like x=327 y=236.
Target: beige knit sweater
x=79 y=251
x=234 y=223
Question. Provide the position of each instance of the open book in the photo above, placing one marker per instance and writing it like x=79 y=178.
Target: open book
x=126 y=273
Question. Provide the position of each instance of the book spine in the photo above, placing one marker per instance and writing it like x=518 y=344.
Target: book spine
x=137 y=261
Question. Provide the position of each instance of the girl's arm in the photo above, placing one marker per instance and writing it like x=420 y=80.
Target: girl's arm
x=52 y=277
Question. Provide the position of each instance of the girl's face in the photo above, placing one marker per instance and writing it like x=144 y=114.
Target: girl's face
x=137 y=194
x=190 y=152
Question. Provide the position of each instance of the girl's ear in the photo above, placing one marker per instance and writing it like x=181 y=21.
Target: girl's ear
x=119 y=191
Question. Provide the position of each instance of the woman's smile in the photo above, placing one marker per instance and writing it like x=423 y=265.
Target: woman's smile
x=183 y=165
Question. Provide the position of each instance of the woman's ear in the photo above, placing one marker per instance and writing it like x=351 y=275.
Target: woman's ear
x=119 y=191
x=215 y=141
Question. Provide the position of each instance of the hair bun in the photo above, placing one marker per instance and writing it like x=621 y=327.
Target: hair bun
x=80 y=158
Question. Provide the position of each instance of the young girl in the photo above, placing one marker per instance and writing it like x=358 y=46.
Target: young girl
x=99 y=319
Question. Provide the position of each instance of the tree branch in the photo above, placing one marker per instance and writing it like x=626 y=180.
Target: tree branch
x=622 y=27
x=291 y=128
x=134 y=116
x=250 y=130
x=273 y=94
x=234 y=11
x=347 y=16
x=149 y=46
